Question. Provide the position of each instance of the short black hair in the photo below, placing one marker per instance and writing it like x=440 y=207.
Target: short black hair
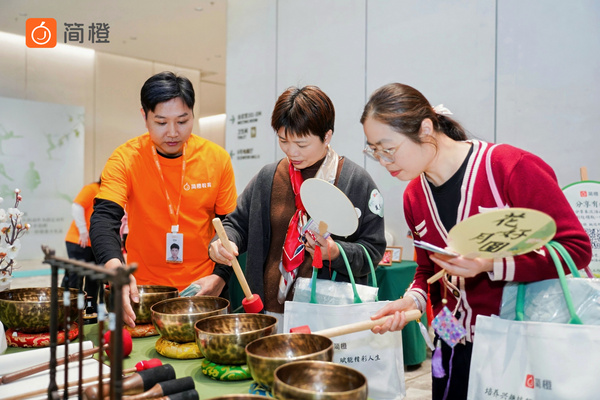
x=174 y=246
x=303 y=112
x=165 y=86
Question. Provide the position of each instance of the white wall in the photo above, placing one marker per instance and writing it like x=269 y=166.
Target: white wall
x=213 y=128
x=524 y=73
x=548 y=79
x=107 y=87
x=251 y=86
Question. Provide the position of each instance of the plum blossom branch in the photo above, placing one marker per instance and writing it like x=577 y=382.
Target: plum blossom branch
x=12 y=229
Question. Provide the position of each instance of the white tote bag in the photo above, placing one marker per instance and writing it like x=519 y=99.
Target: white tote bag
x=378 y=357
x=534 y=360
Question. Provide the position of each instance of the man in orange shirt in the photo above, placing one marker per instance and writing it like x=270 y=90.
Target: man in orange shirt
x=174 y=183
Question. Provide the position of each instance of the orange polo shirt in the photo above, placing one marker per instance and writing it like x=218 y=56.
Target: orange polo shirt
x=131 y=177
x=85 y=199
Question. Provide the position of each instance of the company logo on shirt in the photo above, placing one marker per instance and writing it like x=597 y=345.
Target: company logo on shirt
x=529 y=381
x=194 y=186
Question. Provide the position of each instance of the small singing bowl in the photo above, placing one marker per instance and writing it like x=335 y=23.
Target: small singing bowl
x=149 y=295
x=318 y=380
x=222 y=339
x=175 y=318
x=264 y=355
x=28 y=309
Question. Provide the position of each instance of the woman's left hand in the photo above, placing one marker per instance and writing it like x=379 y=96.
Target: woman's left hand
x=462 y=266
x=329 y=249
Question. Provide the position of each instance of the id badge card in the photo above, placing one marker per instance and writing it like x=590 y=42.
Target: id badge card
x=174 y=247
x=313 y=226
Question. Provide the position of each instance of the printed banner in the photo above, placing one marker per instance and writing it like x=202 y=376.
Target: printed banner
x=41 y=153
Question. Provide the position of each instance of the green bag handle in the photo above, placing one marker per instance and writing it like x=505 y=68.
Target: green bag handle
x=551 y=246
x=567 y=258
x=357 y=299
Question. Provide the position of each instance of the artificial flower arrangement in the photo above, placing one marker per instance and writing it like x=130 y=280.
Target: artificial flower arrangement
x=11 y=229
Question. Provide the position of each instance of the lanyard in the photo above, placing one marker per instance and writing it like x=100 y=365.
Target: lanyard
x=172 y=212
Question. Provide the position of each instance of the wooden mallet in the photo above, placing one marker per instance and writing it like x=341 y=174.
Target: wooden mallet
x=136 y=383
x=165 y=388
x=411 y=315
x=14 y=376
x=252 y=303
x=191 y=394
x=140 y=366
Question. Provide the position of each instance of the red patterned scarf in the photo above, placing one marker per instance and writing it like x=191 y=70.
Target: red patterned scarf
x=293 y=246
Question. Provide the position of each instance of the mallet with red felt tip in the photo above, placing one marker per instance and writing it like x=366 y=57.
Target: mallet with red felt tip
x=411 y=315
x=251 y=302
x=136 y=383
x=127 y=342
x=145 y=364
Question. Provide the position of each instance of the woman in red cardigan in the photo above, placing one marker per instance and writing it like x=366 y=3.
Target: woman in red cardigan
x=448 y=183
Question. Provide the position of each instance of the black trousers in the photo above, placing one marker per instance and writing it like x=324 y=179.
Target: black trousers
x=71 y=280
x=459 y=375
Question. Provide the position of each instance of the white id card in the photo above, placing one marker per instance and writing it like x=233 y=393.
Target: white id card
x=174 y=247
x=434 y=248
x=313 y=226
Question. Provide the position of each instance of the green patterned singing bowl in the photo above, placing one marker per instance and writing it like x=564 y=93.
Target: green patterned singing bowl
x=264 y=355
x=222 y=339
x=318 y=380
x=149 y=295
x=175 y=318
x=28 y=309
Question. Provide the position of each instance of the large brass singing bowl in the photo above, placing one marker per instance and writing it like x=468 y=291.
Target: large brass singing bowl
x=28 y=309
x=222 y=339
x=266 y=354
x=149 y=295
x=175 y=318
x=318 y=380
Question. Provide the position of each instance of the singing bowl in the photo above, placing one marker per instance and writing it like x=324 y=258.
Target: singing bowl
x=175 y=318
x=149 y=295
x=264 y=355
x=222 y=339
x=238 y=397
x=318 y=380
x=28 y=309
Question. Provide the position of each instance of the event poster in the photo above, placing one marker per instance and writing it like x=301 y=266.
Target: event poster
x=584 y=197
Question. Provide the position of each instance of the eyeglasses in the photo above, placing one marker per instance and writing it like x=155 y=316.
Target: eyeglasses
x=386 y=155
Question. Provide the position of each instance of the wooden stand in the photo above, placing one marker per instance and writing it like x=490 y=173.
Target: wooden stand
x=118 y=277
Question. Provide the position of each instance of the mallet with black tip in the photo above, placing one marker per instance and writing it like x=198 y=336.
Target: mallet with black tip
x=136 y=383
